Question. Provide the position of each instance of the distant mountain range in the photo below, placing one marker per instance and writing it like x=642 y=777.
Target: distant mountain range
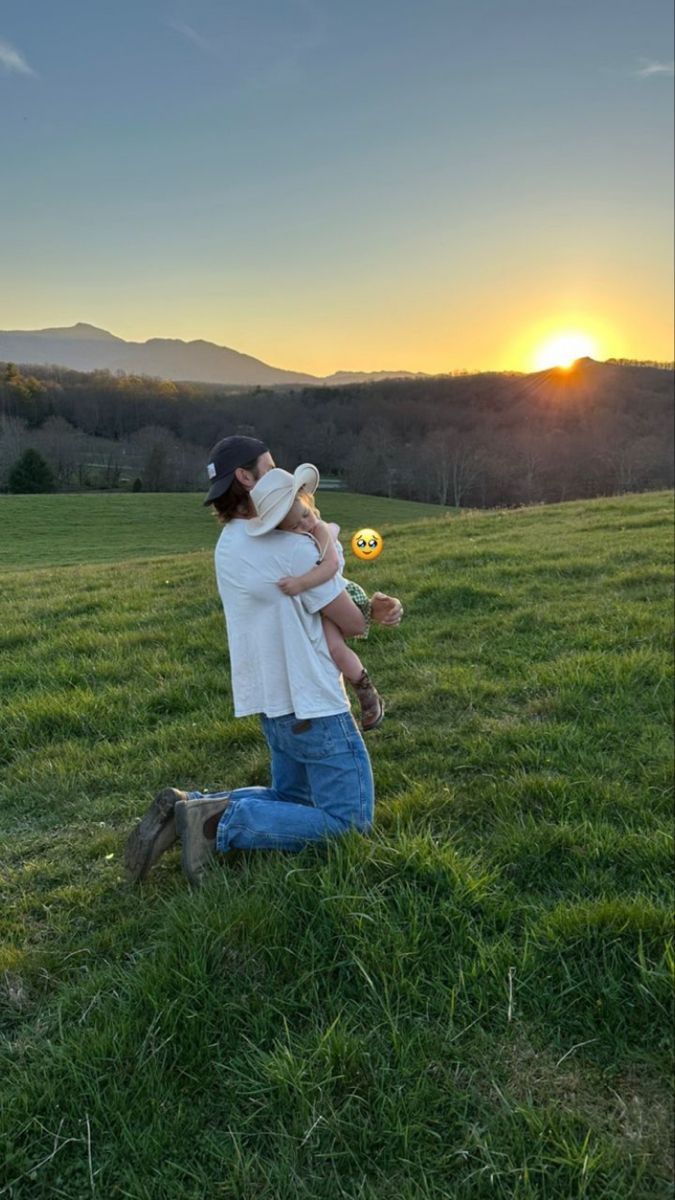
x=83 y=347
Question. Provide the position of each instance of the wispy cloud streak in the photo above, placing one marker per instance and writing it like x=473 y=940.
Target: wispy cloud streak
x=191 y=34
x=11 y=60
x=650 y=67
x=255 y=64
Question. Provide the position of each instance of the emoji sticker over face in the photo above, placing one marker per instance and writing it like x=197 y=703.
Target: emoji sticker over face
x=367 y=543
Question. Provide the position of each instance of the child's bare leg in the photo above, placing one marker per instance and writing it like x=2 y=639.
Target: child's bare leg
x=342 y=655
x=372 y=707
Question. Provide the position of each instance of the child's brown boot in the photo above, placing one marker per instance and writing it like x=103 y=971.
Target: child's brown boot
x=372 y=704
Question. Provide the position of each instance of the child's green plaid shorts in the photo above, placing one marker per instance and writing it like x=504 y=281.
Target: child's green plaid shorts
x=361 y=601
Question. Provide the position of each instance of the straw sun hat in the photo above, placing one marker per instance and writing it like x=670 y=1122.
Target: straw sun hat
x=274 y=494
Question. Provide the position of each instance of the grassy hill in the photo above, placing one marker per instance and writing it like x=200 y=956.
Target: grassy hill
x=41 y=531
x=472 y=1003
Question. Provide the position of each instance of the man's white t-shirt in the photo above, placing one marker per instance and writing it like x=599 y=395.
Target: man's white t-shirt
x=278 y=653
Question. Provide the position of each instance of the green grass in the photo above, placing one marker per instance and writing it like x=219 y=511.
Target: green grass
x=45 y=531
x=472 y=1003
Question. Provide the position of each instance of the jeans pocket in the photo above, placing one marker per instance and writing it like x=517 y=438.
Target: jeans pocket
x=309 y=740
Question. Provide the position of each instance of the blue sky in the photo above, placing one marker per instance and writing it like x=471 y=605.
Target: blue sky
x=428 y=185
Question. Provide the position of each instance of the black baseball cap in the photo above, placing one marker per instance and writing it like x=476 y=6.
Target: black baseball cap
x=226 y=456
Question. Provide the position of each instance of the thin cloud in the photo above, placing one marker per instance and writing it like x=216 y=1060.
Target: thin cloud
x=277 y=63
x=11 y=60
x=191 y=34
x=651 y=67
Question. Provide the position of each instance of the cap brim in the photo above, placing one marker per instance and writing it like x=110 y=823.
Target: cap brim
x=219 y=487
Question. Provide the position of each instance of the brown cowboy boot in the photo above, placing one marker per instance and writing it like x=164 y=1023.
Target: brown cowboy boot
x=197 y=825
x=372 y=704
x=153 y=835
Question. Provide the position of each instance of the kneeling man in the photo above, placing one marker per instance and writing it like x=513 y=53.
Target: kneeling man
x=322 y=782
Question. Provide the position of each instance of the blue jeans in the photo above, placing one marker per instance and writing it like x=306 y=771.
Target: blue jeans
x=322 y=786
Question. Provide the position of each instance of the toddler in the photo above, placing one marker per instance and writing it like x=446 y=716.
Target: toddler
x=304 y=517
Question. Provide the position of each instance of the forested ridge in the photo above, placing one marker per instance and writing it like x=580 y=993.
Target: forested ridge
x=481 y=440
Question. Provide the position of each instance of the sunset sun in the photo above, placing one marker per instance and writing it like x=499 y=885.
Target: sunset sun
x=563 y=350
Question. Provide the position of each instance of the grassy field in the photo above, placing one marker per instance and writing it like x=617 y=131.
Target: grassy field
x=45 y=531
x=472 y=1003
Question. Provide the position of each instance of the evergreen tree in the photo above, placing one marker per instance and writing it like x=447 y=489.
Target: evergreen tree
x=31 y=473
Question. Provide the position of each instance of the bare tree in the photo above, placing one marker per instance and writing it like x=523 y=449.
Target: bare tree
x=453 y=466
x=63 y=446
x=14 y=439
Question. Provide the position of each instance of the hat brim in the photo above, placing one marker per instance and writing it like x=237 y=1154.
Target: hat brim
x=219 y=487
x=305 y=478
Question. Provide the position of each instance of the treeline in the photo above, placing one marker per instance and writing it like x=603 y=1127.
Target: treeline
x=480 y=440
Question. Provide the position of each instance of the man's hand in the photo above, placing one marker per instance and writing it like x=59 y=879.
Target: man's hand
x=290 y=585
x=385 y=610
